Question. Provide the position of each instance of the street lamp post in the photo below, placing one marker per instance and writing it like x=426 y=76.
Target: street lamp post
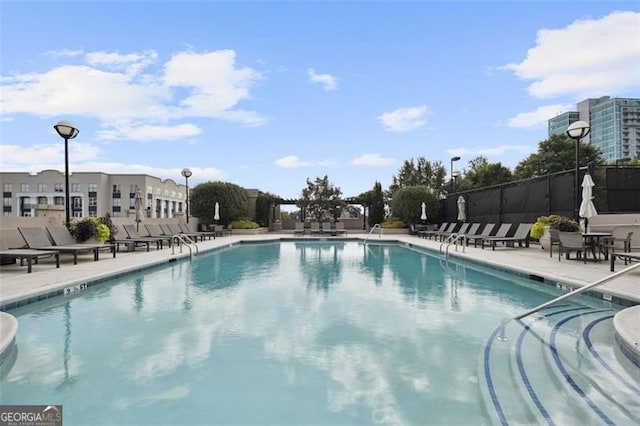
x=576 y=131
x=187 y=174
x=67 y=131
x=451 y=171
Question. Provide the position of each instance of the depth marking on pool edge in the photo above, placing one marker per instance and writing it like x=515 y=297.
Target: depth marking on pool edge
x=75 y=289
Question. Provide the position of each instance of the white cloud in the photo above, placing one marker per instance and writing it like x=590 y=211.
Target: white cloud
x=538 y=117
x=293 y=161
x=404 y=119
x=588 y=58
x=372 y=160
x=148 y=132
x=112 y=88
x=327 y=81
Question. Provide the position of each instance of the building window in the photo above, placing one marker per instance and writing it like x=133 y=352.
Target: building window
x=42 y=187
x=75 y=187
x=92 y=187
x=116 y=189
x=7 y=187
x=43 y=200
x=93 y=202
x=24 y=187
x=6 y=202
x=57 y=187
x=117 y=202
x=77 y=202
x=58 y=201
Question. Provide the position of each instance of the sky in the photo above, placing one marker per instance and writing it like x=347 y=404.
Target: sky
x=268 y=94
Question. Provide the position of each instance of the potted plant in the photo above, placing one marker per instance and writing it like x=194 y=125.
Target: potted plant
x=540 y=229
x=91 y=228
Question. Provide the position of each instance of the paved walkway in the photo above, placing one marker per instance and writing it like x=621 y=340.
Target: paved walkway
x=16 y=284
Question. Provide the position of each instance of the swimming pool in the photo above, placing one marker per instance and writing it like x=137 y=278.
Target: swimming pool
x=329 y=332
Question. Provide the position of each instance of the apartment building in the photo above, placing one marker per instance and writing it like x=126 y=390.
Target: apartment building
x=615 y=125
x=90 y=194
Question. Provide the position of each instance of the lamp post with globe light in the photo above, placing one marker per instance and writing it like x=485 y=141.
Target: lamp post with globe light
x=187 y=174
x=67 y=131
x=576 y=131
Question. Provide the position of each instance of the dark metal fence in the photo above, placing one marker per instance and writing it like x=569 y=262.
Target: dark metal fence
x=617 y=190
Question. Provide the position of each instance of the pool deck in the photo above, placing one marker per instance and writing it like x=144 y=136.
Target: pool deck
x=16 y=285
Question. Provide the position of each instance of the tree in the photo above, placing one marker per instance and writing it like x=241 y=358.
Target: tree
x=481 y=173
x=406 y=204
x=232 y=200
x=376 y=205
x=556 y=154
x=321 y=199
x=419 y=172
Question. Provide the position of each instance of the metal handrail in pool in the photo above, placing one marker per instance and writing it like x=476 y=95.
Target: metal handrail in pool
x=373 y=228
x=453 y=239
x=566 y=296
x=180 y=238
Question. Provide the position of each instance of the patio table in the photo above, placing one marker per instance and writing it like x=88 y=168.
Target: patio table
x=594 y=240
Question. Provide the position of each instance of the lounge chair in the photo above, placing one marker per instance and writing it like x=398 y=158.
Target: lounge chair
x=61 y=236
x=448 y=230
x=218 y=230
x=502 y=232
x=228 y=229
x=315 y=228
x=31 y=255
x=132 y=234
x=299 y=229
x=486 y=232
x=326 y=228
x=627 y=256
x=429 y=234
x=37 y=238
x=340 y=228
x=186 y=228
x=463 y=230
x=520 y=236
x=175 y=230
x=472 y=231
x=156 y=232
x=572 y=241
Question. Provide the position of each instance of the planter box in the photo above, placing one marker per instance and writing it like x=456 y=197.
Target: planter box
x=250 y=231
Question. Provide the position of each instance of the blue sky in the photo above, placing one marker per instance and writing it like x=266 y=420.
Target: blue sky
x=268 y=94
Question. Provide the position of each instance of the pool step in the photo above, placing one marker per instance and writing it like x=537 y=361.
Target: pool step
x=560 y=367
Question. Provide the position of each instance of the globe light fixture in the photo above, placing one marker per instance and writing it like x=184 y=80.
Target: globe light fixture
x=67 y=131
x=187 y=174
x=576 y=131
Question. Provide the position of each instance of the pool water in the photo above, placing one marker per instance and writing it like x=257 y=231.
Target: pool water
x=271 y=333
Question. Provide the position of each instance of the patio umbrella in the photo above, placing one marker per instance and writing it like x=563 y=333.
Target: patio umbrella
x=462 y=215
x=587 y=208
x=216 y=211
x=424 y=212
x=139 y=201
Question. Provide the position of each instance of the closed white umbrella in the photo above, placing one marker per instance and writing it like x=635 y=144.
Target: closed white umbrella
x=587 y=208
x=138 y=203
x=424 y=212
x=216 y=211
x=462 y=214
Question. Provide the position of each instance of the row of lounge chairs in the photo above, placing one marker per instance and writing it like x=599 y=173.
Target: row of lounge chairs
x=52 y=241
x=316 y=229
x=470 y=232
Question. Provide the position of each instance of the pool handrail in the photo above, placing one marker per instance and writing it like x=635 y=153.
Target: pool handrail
x=601 y=281
x=182 y=238
x=373 y=228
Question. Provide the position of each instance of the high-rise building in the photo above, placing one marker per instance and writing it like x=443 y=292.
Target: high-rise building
x=615 y=125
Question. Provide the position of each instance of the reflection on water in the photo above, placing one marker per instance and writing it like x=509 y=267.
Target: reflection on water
x=288 y=333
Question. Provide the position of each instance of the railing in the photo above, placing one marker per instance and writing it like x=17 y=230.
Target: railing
x=566 y=296
x=453 y=239
x=373 y=228
x=183 y=239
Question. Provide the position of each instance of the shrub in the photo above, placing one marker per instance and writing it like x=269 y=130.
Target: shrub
x=393 y=224
x=91 y=227
x=244 y=224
